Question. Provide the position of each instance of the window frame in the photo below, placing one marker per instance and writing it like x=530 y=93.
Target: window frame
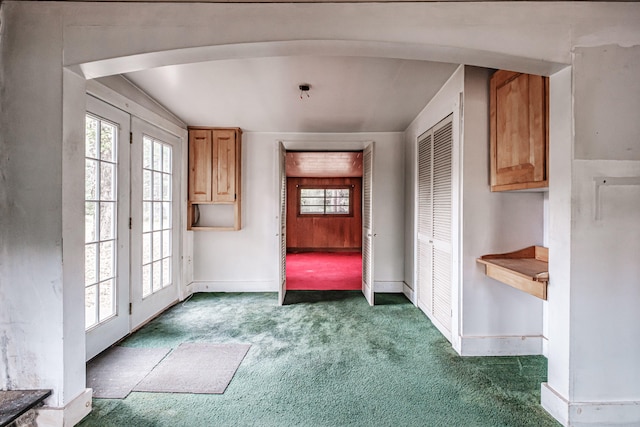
x=300 y=187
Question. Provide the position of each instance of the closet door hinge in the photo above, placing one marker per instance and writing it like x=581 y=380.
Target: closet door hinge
x=130 y=137
x=129 y=223
x=130 y=308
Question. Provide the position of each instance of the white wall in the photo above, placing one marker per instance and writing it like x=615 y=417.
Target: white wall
x=495 y=318
x=440 y=106
x=594 y=325
x=488 y=317
x=33 y=290
x=248 y=260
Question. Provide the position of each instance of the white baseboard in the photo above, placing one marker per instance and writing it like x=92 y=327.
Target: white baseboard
x=501 y=346
x=388 y=287
x=67 y=416
x=589 y=414
x=232 y=286
x=439 y=326
x=409 y=293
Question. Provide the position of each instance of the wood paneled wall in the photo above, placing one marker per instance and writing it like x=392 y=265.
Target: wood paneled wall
x=324 y=233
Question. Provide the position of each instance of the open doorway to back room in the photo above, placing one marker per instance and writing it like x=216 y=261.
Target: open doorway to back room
x=324 y=220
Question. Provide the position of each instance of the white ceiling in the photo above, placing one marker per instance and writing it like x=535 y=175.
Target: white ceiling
x=348 y=93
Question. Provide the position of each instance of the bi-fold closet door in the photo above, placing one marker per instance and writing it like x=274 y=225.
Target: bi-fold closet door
x=434 y=223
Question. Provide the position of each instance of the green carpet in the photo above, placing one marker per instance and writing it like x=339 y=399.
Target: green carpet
x=328 y=359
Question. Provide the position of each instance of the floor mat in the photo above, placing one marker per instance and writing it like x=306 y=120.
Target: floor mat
x=113 y=374
x=199 y=368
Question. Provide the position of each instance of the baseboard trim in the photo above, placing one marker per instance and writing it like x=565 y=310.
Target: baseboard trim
x=501 y=345
x=439 y=326
x=67 y=416
x=232 y=286
x=388 y=287
x=585 y=414
x=409 y=293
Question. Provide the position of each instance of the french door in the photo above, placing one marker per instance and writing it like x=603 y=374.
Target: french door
x=155 y=161
x=106 y=225
x=132 y=242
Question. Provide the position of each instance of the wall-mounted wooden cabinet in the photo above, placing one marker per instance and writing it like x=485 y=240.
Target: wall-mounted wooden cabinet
x=214 y=178
x=519 y=117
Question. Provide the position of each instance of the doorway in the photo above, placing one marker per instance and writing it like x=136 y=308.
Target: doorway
x=322 y=208
x=131 y=223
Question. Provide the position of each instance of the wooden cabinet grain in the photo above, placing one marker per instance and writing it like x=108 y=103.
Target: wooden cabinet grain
x=519 y=111
x=214 y=175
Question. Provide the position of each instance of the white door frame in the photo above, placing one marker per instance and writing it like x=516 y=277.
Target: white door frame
x=330 y=146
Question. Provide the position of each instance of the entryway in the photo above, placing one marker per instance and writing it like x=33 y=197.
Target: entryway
x=131 y=223
x=326 y=221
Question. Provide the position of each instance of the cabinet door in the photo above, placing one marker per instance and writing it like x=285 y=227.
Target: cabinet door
x=224 y=160
x=518 y=131
x=200 y=156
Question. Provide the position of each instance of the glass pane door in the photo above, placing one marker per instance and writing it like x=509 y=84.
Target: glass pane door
x=106 y=208
x=157 y=221
x=155 y=158
x=101 y=207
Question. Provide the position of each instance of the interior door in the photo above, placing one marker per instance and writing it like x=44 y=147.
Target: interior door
x=282 y=290
x=367 y=225
x=155 y=220
x=106 y=225
x=442 y=261
x=425 y=222
x=434 y=221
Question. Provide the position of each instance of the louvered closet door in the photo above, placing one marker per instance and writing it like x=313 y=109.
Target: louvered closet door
x=434 y=248
x=283 y=225
x=425 y=221
x=367 y=225
x=442 y=211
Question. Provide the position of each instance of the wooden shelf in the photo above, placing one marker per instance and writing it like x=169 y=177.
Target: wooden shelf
x=526 y=269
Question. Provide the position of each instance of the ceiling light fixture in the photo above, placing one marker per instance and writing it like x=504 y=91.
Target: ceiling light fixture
x=304 y=88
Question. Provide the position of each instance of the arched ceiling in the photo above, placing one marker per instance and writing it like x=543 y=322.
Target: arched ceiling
x=347 y=93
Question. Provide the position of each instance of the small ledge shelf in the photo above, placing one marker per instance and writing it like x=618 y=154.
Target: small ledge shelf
x=526 y=269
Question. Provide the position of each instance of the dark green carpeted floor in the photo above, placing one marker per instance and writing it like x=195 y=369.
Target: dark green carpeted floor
x=328 y=359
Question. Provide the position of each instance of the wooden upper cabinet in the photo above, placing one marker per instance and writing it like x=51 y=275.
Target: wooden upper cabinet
x=519 y=111
x=200 y=170
x=214 y=174
x=224 y=159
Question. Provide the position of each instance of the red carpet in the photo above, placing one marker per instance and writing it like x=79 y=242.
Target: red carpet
x=324 y=271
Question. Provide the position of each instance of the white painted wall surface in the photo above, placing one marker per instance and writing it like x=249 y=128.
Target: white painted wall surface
x=495 y=318
x=440 y=106
x=248 y=260
x=560 y=187
x=38 y=329
x=593 y=316
x=488 y=316
x=445 y=102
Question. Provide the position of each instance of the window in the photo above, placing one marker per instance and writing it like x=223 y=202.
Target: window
x=157 y=223
x=325 y=201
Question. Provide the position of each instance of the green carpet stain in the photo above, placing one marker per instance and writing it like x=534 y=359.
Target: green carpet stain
x=328 y=359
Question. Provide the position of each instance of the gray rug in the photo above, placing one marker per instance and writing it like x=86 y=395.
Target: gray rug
x=113 y=374
x=198 y=368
